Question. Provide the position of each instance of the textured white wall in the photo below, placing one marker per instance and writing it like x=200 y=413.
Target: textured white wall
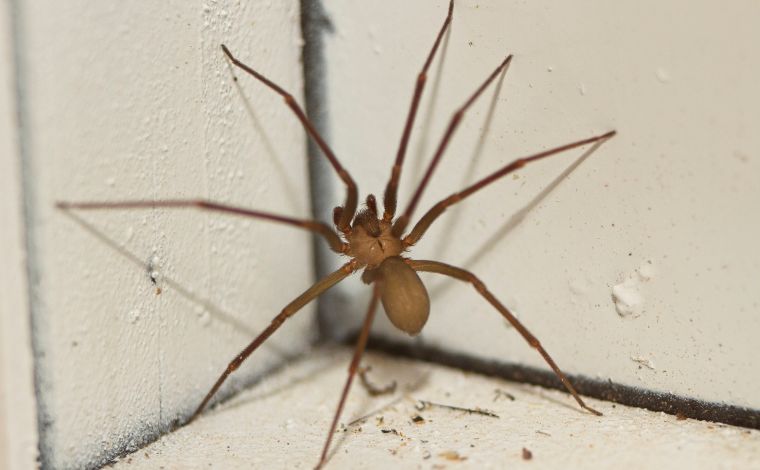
x=663 y=217
x=136 y=101
x=18 y=426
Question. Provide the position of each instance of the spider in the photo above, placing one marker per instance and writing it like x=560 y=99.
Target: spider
x=375 y=242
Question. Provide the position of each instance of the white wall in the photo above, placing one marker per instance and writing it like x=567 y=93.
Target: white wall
x=136 y=101
x=18 y=425
x=667 y=210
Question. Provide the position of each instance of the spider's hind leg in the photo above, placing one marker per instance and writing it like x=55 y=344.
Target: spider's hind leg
x=464 y=275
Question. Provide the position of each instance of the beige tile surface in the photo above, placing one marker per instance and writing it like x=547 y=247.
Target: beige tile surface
x=281 y=423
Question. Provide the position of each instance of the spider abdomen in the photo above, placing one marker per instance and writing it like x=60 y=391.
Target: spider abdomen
x=403 y=294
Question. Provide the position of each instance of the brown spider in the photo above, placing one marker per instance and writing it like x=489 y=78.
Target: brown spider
x=375 y=242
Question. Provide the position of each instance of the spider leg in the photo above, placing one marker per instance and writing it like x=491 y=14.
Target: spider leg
x=463 y=275
x=430 y=216
x=310 y=294
x=456 y=118
x=319 y=228
x=351 y=189
x=361 y=344
x=391 y=189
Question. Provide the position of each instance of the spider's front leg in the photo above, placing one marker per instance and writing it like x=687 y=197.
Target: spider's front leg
x=349 y=208
x=310 y=294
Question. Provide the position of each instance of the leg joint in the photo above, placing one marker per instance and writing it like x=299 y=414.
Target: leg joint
x=477 y=284
x=232 y=367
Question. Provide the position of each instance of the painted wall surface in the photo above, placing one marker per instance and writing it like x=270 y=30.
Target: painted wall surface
x=638 y=264
x=136 y=313
x=18 y=424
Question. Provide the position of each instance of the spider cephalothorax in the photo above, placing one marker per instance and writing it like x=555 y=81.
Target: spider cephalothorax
x=372 y=244
x=370 y=239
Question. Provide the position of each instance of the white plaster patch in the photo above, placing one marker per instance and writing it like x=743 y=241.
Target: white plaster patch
x=628 y=296
x=628 y=299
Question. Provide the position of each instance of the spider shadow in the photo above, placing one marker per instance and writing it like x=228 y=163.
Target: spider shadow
x=456 y=212
x=421 y=147
x=514 y=221
x=545 y=395
x=269 y=148
x=236 y=402
x=411 y=379
x=215 y=311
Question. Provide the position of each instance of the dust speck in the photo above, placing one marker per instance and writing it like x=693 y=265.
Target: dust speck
x=452 y=455
x=133 y=316
x=662 y=75
x=643 y=361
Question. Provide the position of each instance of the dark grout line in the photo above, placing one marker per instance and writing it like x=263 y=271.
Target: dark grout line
x=39 y=326
x=332 y=314
x=314 y=25
x=604 y=390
